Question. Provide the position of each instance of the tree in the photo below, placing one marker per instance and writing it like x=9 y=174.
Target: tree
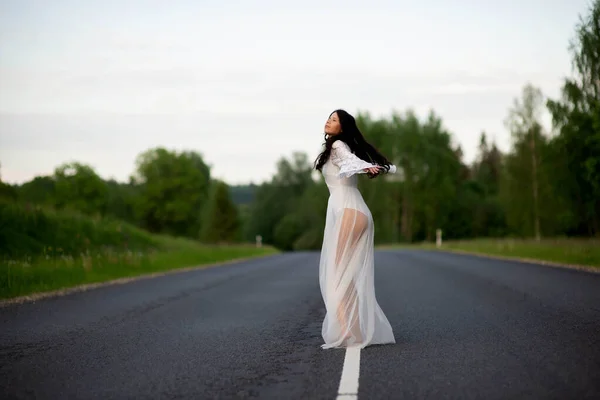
x=428 y=174
x=294 y=174
x=78 y=187
x=279 y=198
x=526 y=130
x=40 y=190
x=122 y=201
x=7 y=191
x=438 y=182
x=221 y=222
x=409 y=163
x=488 y=166
x=576 y=118
x=488 y=218
x=173 y=188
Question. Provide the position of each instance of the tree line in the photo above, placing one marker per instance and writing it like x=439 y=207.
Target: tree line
x=547 y=184
x=169 y=193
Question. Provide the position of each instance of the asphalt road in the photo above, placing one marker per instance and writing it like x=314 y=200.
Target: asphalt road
x=466 y=328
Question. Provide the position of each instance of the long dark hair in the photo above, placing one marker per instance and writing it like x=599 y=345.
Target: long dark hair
x=352 y=136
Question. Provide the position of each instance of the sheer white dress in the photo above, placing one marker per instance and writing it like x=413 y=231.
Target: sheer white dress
x=353 y=316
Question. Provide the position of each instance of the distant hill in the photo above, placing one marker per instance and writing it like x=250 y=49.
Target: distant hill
x=242 y=194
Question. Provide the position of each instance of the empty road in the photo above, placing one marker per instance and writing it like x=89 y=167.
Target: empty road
x=466 y=328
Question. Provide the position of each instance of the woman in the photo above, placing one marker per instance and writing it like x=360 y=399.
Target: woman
x=353 y=316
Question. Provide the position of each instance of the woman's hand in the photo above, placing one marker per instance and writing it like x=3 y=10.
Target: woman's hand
x=373 y=171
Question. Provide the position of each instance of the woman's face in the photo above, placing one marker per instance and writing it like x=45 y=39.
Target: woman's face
x=333 y=126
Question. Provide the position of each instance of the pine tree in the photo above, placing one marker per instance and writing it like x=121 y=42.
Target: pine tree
x=221 y=219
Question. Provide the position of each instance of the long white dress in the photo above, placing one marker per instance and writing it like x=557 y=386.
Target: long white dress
x=353 y=316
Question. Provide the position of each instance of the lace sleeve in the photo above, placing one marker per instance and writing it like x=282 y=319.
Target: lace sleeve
x=348 y=163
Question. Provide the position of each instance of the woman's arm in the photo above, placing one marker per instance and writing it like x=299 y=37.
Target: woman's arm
x=349 y=164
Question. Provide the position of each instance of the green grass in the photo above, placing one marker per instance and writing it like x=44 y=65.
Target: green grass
x=55 y=271
x=585 y=252
x=45 y=250
x=32 y=231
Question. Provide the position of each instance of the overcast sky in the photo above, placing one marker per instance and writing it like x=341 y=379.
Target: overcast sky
x=246 y=82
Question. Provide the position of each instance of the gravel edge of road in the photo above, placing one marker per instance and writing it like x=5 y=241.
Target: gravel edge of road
x=120 y=281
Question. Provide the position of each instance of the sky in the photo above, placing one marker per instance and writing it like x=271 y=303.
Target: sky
x=246 y=82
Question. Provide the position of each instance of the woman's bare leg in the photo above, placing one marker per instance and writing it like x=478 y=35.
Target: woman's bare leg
x=353 y=226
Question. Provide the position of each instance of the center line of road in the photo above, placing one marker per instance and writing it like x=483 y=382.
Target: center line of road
x=350 y=372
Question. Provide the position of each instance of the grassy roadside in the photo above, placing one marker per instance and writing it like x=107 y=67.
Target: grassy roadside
x=55 y=271
x=582 y=252
x=44 y=250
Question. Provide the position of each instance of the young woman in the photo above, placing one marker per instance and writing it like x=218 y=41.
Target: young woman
x=353 y=316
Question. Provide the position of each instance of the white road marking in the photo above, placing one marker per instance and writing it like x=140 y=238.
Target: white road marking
x=350 y=373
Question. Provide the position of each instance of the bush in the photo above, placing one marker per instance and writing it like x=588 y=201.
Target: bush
x=27 y=230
